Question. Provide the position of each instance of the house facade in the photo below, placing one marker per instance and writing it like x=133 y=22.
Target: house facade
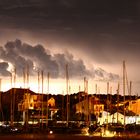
x=134 y=106
x=35 y=103
x=90 y=106
x=118 y=117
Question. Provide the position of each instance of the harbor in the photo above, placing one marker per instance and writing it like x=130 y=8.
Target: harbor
x=69 y=69
x=79 y=114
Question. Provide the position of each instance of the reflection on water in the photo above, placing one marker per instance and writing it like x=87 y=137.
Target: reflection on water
x=60 y=137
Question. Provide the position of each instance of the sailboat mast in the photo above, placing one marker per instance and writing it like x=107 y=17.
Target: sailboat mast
x=11 y=105
x=38 y=75
x=130 y=90
x=67 y=90
x=38 y=79
x=84 y=84
x=86 y=99
x=79 y=94
x=118 y=90
x=69 y=99
x=48 y=88
x=14 y=93
x=42 y=96
x=124 y=80
x=27 y=116
x=88 y=111
x=110 y=100
x=62 y=105
x=107 y=102
x=24 y=79
x=27 y=77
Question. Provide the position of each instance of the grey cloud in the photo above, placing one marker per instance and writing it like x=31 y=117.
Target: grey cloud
x=102 y=75
x=10 y=54
x=41 y=57
x=3 y=69
x=99 y=72
x=92 y=23
x=77 y=68
x=21 y=54
x=38 y=58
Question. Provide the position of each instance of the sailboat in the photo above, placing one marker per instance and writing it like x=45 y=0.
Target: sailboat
x=104 y=131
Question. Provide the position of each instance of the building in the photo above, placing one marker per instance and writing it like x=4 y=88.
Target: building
x=10 y=100
x=39 y=108
x=117 y=117
x=134 y=106
x=91 y=105
x=104 y=118
x=25 y=105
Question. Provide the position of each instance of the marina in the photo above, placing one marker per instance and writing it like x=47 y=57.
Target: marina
x=33 y=113
x=69 y=69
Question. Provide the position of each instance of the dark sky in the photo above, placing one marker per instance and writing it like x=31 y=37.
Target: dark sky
x=103 y=31
x=111 y=25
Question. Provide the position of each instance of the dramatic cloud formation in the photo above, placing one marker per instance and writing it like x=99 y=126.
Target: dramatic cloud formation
x=3 y=69
x=109 y=29
x=102 y=75
x=38 y=58
x=86 y=34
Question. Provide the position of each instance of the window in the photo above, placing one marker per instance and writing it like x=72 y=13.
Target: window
x=100 y=107
x=96 y=107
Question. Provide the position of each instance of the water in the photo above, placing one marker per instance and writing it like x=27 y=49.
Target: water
x=60 y=137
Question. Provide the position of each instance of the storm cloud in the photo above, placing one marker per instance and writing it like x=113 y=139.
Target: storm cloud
x=3 y=69
x=108 y=29
x=21 y=54
x=102 y=75
x=85 y=34
x=101 y=30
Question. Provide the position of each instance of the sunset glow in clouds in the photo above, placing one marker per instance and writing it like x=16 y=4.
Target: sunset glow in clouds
x=18 y=55
x=92 y=37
